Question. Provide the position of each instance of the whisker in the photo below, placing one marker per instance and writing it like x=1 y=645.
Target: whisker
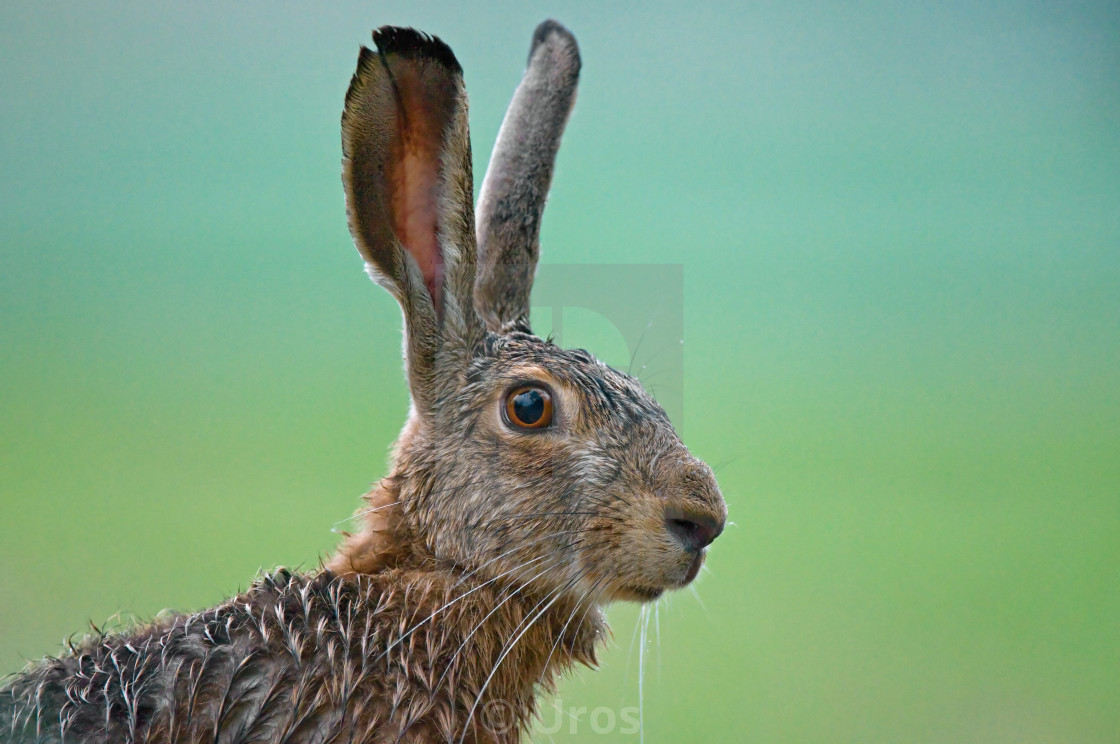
x=587 y=610
x=633 y=639
x=363 y=512
x=514 y=549
x=644 y=621
x=638 y=346
x=536 y=514
x=451 y=662
x=725 y=462
x=652 y=357
x=563 y=630
x=696 y=594
x=558 y=559
x=602 y=501
x=505 y=652
x=416 y=627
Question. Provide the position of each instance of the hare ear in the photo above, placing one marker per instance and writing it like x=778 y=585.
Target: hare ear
x=407 y=176
x=513 y=193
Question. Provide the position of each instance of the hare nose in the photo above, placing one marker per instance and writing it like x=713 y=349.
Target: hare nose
x=695 y=531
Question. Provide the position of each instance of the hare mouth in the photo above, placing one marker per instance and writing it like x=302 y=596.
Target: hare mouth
x=648 y=593
x=694 y=568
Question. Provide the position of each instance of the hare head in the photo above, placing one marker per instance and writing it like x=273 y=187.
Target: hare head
x=520 y=462
x=518 y=458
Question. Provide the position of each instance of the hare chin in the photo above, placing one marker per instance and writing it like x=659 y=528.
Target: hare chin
x=634 y=592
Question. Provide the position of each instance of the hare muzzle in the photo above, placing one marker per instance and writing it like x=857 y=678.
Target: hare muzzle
x=662 y=542
x=694 y=516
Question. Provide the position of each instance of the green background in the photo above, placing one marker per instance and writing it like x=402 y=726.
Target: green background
x=900 y=231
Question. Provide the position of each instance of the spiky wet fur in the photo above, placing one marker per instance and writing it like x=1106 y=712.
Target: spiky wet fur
x=307 y=658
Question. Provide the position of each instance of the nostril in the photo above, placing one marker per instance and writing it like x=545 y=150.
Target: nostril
x=695 y=531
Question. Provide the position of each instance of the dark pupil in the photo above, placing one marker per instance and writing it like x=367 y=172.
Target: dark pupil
x=529 y=406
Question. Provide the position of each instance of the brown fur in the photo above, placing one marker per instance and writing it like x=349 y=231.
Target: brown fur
x=481 y=563
x=313 y=658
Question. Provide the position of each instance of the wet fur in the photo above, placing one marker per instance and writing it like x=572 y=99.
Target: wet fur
x=480 y=564
x=305 y=658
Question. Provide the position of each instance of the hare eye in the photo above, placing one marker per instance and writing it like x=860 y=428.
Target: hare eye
x=529 y=407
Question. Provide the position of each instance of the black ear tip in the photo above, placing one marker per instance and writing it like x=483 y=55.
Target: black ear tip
x=413 y=44
x=551 y=29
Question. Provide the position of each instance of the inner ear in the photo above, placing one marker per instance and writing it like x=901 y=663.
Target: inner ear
x=424 y=110
x=415 y=217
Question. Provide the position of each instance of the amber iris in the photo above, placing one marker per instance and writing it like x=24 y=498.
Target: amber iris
x=529 y=407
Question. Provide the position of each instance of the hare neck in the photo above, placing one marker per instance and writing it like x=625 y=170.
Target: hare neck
x=476 y=651
x=502 y=643
x=489 y=638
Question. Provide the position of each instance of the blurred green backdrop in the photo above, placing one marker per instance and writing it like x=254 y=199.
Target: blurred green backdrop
x=900 y=230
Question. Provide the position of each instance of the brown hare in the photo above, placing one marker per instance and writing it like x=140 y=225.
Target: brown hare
x=529 y=487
